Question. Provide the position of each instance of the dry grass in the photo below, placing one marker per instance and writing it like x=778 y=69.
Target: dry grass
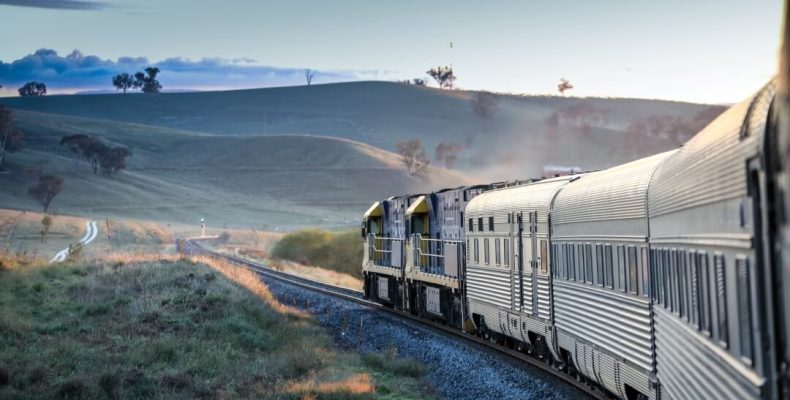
x=136 y=325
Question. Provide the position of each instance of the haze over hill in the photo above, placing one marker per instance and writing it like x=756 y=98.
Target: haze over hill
x=318 y=155
x=521 y=135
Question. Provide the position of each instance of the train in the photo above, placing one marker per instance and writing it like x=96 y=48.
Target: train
x=661 y=278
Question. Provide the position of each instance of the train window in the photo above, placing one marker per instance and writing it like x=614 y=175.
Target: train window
x=599 y=264
x=694 y=285
x=555 y=260
x=722 y=333
x=477 y=251
x=704 y=293
x=544 y=262
x=580 y=263
x=506 y=250
x=572 y=264
x=673 y=280
x=588 y=263
x=645 y=281
x=744 y=309
x=480 y=224
x=682 y=276
x=665 y=285
x=497 y=252
x=491 y=224
x=608 y=268
x=620 y=269
x=461 y=218
x=632 y=270
x=486 y=251
x=471 y=225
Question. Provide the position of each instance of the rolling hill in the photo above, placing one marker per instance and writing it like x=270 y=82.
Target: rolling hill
x=181 y=176
x=521 y=135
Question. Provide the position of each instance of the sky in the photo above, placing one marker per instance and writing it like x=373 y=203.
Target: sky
x=691 y=50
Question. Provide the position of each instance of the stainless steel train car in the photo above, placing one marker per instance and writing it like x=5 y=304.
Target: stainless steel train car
x=599 y=244
x=708 y=255
x=663 y=278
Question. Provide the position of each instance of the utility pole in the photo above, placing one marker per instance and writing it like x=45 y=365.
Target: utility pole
x=202 y=228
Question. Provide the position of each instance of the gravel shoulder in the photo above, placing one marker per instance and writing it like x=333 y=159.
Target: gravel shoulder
x=458 y=370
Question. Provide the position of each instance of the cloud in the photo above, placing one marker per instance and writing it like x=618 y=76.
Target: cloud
x=77 y=72
x=56 y=4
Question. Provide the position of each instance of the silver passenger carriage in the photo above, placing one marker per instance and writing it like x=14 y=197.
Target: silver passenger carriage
x=600 y=277
x=711 y=281
x=507 y=276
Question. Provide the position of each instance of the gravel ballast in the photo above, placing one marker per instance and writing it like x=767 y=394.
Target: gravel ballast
x=457 y=369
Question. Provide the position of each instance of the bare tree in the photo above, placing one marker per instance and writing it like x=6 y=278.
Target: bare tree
x=448 y=153
x=46 y=189
x=123 y=82
x=484 y=104
x=308 y=76
x=444 y=76
x=564 y=85
x=10 y=137
x=413 y=156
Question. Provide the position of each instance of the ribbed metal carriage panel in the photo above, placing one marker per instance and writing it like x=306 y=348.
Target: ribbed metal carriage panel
x=690 y=367
x=619 y=324
x=489 y=312
x=535 y=196
x=711 y=166
x=491 y=285
x=616 y=194
x=544 y=301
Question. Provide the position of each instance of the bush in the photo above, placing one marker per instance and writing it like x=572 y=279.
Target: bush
x=340 y=252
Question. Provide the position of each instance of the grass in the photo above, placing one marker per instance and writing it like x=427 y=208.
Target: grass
x=150 y=326
x=341 y=252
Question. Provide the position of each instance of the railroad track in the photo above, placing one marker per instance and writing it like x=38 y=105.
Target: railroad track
x=356 y=296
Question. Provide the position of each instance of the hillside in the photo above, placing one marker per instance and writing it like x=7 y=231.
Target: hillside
x=521 y=135
x=181 y=176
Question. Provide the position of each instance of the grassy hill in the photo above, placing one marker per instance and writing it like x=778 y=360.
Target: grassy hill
x=517 y=140
x=182 y=176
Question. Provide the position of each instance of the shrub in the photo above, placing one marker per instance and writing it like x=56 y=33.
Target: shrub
x=340 y=252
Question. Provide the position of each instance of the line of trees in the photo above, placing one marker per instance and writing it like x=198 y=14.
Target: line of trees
x=104 y=158
x=145 y=81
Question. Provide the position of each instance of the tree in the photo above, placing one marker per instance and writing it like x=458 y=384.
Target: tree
x=443 y=76
x=147 y=81
x=448 y=153
x=413 y=156
x=103 y=157
x=308 y=76
x=46 y=223
x=46 y=189
x=10 y=137
x=563 y=86
x=33 y=89
x=123 y=82
x=484 y=104
x=113 y=159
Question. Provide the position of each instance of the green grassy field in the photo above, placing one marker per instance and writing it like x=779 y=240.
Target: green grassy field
x=169 y=328
x=176 y=176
